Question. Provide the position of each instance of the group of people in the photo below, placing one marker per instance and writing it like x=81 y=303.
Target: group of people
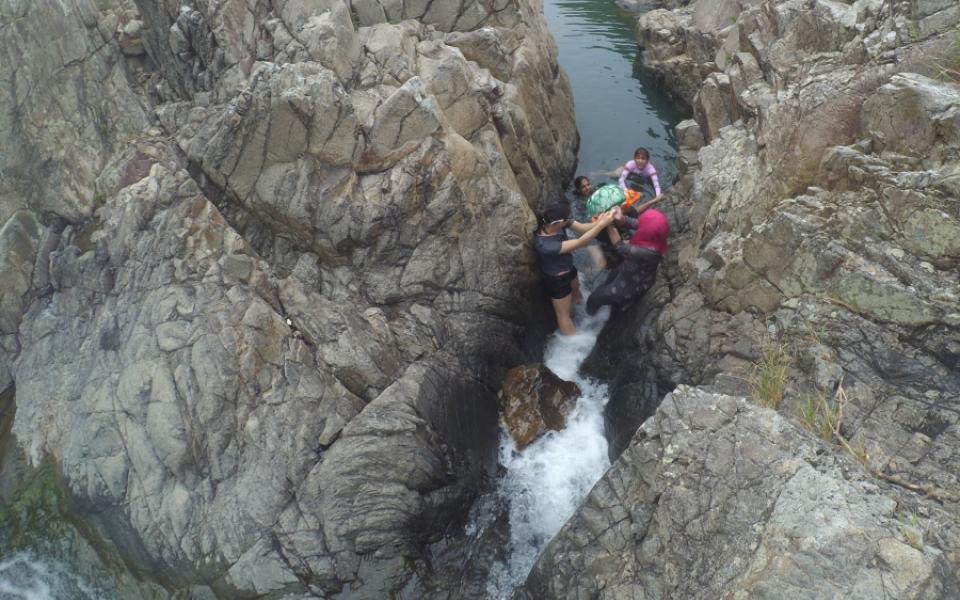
x=632 y=237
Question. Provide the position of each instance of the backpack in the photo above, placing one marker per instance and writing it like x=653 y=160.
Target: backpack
x=607 y=196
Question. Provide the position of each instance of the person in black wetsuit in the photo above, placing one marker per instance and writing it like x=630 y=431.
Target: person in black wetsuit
x=637 y=272
x=556 y=258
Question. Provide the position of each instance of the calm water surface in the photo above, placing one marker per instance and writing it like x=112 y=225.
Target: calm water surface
x=618 y=108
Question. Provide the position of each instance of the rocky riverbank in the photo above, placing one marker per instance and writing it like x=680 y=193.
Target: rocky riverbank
x=264 y=266
x=819 y=238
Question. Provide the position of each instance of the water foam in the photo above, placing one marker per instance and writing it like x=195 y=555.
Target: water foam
x=25 y=577
x=545 y=483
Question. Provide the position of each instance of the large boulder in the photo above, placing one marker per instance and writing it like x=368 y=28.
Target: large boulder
x=534 y=400
x=257 y=253
x=717 y=497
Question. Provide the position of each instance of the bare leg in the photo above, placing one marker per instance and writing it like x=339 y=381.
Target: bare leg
x=562 y=308
x=577 y=296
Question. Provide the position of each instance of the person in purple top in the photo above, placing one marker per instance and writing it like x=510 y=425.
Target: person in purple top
x=640 y=165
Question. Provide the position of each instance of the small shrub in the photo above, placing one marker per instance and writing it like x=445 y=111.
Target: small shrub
x=769 y=378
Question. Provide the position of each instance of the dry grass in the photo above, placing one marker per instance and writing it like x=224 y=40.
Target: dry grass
x=913 y=532
x=834 y=415
x=769 y=378
x=947 y=67
x=819 y=416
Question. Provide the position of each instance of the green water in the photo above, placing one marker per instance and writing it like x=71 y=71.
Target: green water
x=618 y=108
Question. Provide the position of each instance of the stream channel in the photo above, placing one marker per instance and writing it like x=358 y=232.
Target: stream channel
x=618 y=109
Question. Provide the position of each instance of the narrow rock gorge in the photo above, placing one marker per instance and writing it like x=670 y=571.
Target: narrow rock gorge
x=264 y=266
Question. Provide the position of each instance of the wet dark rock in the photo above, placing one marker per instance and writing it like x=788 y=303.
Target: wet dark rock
x=533 y=400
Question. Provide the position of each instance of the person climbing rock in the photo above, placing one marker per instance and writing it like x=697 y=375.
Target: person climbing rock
x=556 y=257
x=640 y=167
x=641 y=257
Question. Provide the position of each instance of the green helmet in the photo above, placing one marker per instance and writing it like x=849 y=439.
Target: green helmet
x=605 y=198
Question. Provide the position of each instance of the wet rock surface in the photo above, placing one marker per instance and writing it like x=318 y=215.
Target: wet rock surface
x=533 y=400
x=717 y=497
x=820 y=217
x=264 y=267
x=815 y=213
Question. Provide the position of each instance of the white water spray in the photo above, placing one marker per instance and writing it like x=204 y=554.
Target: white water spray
x=25 y=577
x=546 y=482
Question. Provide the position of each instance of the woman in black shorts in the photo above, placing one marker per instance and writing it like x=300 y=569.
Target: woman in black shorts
x=556 y=258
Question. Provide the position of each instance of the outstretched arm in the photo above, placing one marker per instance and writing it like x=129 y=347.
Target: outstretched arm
x=570 y=245
x=638 y=254
x=581 y=228
x=648 y=204
x=614 y=235
x=627 y=169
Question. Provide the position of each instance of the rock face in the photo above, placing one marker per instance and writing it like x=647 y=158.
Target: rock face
x=534 y=400
x=816 y=212
x=719 y=498
x=264 y=265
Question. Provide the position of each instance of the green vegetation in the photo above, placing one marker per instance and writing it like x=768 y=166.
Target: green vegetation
x=769 y=378
x=36 y=514
x=819 y=416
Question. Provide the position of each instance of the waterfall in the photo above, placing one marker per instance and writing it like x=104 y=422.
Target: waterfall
x=26 y=577
x=544 y=484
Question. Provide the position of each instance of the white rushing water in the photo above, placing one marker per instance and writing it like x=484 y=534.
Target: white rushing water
x=546 y=482
x=25 y=577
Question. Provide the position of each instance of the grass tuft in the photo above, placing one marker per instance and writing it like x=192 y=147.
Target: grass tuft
x=819 y=416
x=947 y=66
x=769 y=378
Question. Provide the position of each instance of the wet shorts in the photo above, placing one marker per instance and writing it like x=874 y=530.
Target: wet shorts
x=558 y=286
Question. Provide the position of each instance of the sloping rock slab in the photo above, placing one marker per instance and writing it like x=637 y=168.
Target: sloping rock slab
x=718 y=498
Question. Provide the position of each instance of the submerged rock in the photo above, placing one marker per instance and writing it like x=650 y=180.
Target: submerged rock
x=533 y=400
x=717 y=497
